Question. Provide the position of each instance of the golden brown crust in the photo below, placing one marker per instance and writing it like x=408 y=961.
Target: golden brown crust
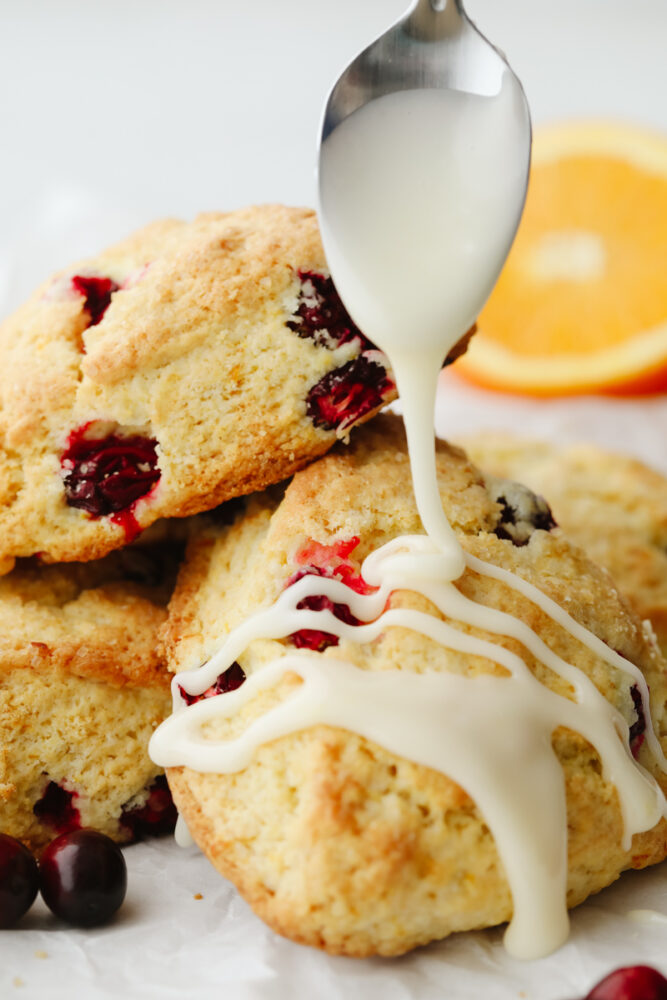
x=84 y=736
x=83 y=685
x=333 y=840
x=97 y=620
x=194 y=350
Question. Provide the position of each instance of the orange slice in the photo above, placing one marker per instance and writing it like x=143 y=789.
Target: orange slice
x=581 y=305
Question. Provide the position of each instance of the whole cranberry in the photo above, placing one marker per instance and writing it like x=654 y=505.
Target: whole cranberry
x=83 y=877
x=19 y=880
x=635 y=982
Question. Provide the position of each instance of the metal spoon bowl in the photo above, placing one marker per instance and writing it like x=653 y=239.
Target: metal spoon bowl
x=434 y=45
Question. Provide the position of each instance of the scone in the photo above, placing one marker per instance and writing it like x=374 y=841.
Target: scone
x=192 y=363
x=613 y=506
x=82 y=687
x=333 y=839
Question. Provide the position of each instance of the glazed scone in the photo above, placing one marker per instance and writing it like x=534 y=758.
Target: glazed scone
x=613 y=506
x=82 y=688
x=189 y=364
x=333 y=840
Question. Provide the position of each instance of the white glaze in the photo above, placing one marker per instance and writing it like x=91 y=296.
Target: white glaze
x=483 y=732
x=421 y=191
x=182 y=835
x=415 y=243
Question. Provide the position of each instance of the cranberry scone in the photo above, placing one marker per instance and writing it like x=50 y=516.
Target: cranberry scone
x=376 y=758
x=612 y=505
x=191 y=363
x=82 y=688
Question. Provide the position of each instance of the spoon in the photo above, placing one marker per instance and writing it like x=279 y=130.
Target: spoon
x=434 y=45
x=423 y=170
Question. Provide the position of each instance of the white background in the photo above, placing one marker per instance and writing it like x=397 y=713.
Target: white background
x=114 y=113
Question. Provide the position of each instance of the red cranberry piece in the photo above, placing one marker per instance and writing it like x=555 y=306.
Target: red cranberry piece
x=107 y=475
x=19 y=880
x=636 y=982
x=346 y=394
x=333 y=560
x=309 y=638
x=157 y=815
x=322 y=556
x=83 y=877
x=229 y=680
x=97 y=293
x=321 y=316
x=638 y=728
x=56 y=808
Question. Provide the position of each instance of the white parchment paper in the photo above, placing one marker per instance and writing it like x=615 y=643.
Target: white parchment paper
x=167 y=943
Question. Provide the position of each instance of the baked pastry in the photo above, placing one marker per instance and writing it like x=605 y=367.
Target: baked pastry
x=613 y=506
x=335 y=840
x=82 y=688
x=189 y=364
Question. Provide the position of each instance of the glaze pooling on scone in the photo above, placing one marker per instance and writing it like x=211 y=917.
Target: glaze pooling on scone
x=483 y=730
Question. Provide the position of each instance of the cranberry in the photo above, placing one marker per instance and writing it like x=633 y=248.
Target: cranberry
x=332 y=562
x=321 y=316
x=229 y=680
x=19 y=880
x=346 y=394
x=97 y=293
x=156 y=816
x=638 y=727
x=107 y=475
x=521 y=513
x=83 y=877
x=56 y=808
x=636 y=982
x=310 y=638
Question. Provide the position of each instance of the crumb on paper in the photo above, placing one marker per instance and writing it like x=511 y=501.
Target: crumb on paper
x=17 y=981
x=198 y=895
x=41 y=954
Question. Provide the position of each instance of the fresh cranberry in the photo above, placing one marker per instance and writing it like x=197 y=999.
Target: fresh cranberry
x=321 y=316
x=83 y=877
x=19 y=880
x=107 y=475
x=157 y=815
x=229 y=680
x=97 y=293
x=636 y=982
x=638 y=728
x=56 y=808
x=346 y=394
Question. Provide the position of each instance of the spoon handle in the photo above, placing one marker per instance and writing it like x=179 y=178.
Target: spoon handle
x=430 y=20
